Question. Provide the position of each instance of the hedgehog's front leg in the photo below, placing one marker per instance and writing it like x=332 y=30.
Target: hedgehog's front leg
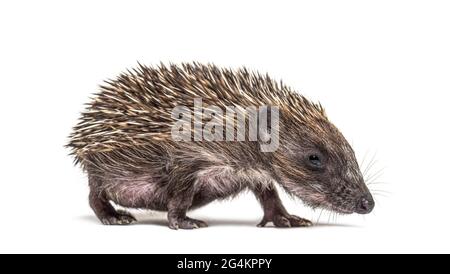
x=275 y=212
x=177 y=207
x=99 y=203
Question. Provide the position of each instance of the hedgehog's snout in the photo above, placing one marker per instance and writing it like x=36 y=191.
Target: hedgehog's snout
x=365 y=204
x=362 y=200
x=348 y=193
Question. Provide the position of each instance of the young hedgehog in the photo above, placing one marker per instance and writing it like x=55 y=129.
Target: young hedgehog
x=123 y=141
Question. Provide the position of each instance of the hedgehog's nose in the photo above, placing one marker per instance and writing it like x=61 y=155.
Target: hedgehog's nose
x=365 y=205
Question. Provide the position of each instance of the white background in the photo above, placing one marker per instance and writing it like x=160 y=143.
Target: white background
x=380 y=68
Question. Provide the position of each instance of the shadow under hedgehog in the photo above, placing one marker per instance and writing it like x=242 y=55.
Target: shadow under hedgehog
x=124 y=142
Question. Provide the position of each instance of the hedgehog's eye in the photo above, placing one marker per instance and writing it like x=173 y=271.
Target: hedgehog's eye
x=315 y=160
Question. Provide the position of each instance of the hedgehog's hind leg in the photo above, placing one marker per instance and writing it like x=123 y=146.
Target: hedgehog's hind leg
x=102 y=208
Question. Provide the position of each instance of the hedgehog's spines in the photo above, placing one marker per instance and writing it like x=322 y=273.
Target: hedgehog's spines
x=134 y=110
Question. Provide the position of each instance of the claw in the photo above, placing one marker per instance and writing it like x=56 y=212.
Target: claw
x=186 y=223
x=262 y=223
x=286 y=221
x=118 y=220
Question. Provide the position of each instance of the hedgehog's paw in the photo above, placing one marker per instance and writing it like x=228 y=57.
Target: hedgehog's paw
x=285 y=221
x=186 y=223
x=296 y=221
x=118 y=220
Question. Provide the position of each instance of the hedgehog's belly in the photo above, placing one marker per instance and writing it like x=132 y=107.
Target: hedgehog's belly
x=216 y=183
x=137 y=192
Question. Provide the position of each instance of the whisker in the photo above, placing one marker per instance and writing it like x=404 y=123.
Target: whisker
x=320 y=214
x=377 y=183
x=381 y=191
x=380 y=194
x=370 y=165
x=369 y=168
x=364 y=158
x=375 y=179
x=375 y=175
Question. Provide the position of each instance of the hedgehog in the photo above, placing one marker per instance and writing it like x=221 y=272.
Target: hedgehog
x=125 y=143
